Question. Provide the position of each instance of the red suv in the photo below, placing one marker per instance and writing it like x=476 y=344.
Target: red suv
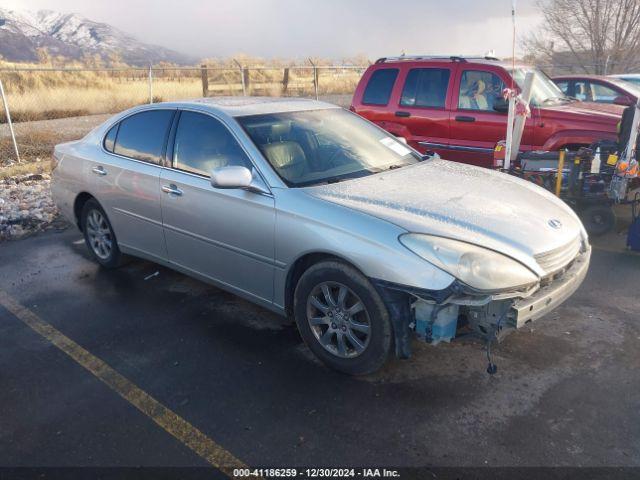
x=454 y=106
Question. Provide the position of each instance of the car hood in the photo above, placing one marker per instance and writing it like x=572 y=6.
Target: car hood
x=588 y=112
x=467 y=203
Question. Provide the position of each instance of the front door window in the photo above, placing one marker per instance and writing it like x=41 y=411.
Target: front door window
x=479 y=90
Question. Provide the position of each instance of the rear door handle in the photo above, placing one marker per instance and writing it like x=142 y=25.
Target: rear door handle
x=172 y=190
x=464 y=118
x=403 y=114
x=99 y=170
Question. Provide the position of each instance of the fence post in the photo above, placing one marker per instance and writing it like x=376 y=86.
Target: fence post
x=150 y=84
x=285 y=80
x=244 y=87
x=8 y=115
x=204 y=73
x=315 y=77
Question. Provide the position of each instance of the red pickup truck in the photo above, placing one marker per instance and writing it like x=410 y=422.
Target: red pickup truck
x=454 y=106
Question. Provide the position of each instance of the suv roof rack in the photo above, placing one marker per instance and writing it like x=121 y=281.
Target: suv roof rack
x=453 y=58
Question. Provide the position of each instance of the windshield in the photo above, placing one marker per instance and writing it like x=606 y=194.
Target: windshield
x=324 y=146
x=627 y=85
x=633 y=80
x=544 y=91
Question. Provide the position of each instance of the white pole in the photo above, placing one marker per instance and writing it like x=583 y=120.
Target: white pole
x=512 y=100
x=8 y=115
x=150 y=84
x=520 y=120
x=633 y=137
x=509 y=140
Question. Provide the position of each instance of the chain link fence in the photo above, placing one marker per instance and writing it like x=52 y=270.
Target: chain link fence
x=48 y=105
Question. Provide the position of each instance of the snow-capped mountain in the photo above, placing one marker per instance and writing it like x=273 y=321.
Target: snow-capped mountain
x=73 y=36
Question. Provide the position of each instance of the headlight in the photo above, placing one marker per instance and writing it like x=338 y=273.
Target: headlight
x=476 y=266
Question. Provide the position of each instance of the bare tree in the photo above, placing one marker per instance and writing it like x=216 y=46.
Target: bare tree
x=595 y=36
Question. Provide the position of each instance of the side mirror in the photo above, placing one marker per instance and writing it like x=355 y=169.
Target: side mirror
x=237 y=177
x=500 y=105
x=623 y=100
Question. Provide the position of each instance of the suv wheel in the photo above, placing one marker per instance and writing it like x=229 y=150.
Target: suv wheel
x=342 y=319
x=99 y=236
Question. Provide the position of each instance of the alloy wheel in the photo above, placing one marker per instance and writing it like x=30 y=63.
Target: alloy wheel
x=338 y=319
x=99 y=234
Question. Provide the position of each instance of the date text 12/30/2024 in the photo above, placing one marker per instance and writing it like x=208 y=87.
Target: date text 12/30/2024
x=315 y=473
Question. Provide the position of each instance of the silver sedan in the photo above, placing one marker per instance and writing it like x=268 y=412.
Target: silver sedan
x=312 y=212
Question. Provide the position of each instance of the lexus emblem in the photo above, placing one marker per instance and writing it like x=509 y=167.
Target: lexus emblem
x=555 y=223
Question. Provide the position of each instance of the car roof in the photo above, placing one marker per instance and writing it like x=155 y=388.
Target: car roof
x=576 y=76
x=418 y=60
x=242 y=106
x=625 y=75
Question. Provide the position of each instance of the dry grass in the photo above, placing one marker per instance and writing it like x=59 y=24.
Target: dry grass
x=36 y=92
x=47 y=94
x=109 y=97
x=24 y=168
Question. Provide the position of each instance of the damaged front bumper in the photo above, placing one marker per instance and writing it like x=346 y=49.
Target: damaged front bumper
x=551 y=295
x=437 y=316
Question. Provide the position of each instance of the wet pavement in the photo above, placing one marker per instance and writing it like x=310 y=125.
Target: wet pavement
x=567 y=391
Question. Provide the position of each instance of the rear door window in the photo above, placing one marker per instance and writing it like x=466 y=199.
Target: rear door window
x=380 y=85
x=426 y=87
x=110 y=138
x=143 y=135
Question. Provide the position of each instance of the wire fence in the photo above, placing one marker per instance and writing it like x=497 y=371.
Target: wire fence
x=47 y=106
x=52 y=105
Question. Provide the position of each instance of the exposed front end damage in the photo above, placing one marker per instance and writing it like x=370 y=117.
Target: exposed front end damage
x=441 y=315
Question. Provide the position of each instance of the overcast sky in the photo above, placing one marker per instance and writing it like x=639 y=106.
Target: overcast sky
x=301 y=28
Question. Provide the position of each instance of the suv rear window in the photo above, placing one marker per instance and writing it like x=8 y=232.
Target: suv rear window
x=426 y=87
x=379 y=87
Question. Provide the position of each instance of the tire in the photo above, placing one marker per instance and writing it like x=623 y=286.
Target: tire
x=598 y=219
x=99 y=236
x=358 y=316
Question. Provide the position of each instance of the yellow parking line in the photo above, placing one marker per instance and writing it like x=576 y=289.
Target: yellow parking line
x=171 y=422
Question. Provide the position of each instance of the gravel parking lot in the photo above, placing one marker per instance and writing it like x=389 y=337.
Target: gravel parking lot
x=566 y=392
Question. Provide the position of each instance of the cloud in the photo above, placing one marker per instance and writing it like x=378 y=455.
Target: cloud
x=301 y=28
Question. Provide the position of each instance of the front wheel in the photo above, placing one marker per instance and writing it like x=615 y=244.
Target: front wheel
x=342 y=319
x=99 y=236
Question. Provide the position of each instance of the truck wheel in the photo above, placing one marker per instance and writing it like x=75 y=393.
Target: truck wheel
x=598 y=219
x=99 y=236
x=342 y=319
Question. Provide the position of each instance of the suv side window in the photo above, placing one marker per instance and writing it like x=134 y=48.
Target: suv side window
x=204 y=143
x=143 y=135
x=426 y=87
x=602 y=93
x=379 y=87
x=479 y=90
x=564 y=86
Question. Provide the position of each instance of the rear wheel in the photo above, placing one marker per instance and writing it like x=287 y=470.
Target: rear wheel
x=342 y=319
x=598 y=219
x=99 y=236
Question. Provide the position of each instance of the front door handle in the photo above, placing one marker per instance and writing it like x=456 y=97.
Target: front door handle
x=99 y=170
x=464 y=118
x=403 y=114
x=172 y=190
